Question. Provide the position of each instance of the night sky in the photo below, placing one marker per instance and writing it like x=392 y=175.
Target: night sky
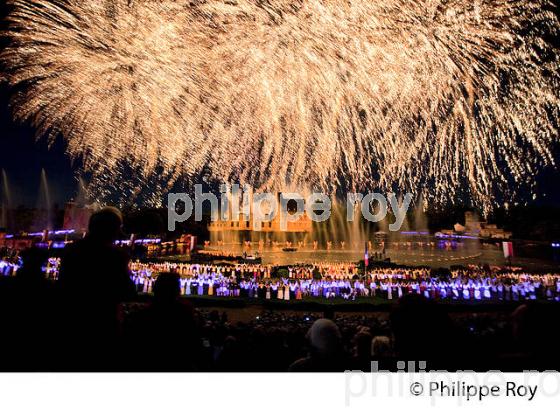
x=23 y=156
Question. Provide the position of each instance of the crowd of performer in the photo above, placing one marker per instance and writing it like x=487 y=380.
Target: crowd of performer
x=8 y=267
x=337 y=280
x=343 y=280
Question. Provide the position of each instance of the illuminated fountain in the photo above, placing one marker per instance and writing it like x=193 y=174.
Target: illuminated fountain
x=338 y=233
x=82 y=195
x=44 y=218
x=233 y=233
x=78 y=211
x=6 y=201
x=339 y=239
x=335 y=234
x=420 y=217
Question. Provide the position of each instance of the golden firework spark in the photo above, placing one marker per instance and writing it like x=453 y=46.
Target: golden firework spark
x=432 y=97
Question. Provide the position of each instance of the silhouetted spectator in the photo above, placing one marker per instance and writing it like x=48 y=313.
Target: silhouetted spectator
x=167 y=326
x=231 y=357
x=326 y=352
x=423 y=331
x=382 y=358
x=536 y=336
x=381 y=348
x=94 y=279
x=27 y=314
x=361 y=351
x=31 y=276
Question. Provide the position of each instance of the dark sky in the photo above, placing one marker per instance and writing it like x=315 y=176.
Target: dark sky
x=23 y=156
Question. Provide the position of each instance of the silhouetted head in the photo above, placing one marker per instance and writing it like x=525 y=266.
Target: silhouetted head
x=34 y=259
x=167 y=287
x=534 y=328
x=105 y=225
x=324 y=338
x=381 y=347
x=421 y=327
x=362 y=343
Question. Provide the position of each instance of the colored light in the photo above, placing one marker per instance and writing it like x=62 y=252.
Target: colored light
x=440 y=235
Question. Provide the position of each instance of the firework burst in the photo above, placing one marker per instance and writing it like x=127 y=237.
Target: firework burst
x=433 y=97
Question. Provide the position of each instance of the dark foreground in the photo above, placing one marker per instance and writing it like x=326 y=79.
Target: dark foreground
x=43 y=331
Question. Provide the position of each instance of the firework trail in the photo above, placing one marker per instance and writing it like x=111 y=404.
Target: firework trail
x=439 y=98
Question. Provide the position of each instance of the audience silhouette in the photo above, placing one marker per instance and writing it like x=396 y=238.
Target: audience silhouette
x=26 y=303
x=92 y=319
x=361 y=351
x=165 y=328
x=535 y=334
x=423 y=331
x=326 y=353
x=90 y=312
